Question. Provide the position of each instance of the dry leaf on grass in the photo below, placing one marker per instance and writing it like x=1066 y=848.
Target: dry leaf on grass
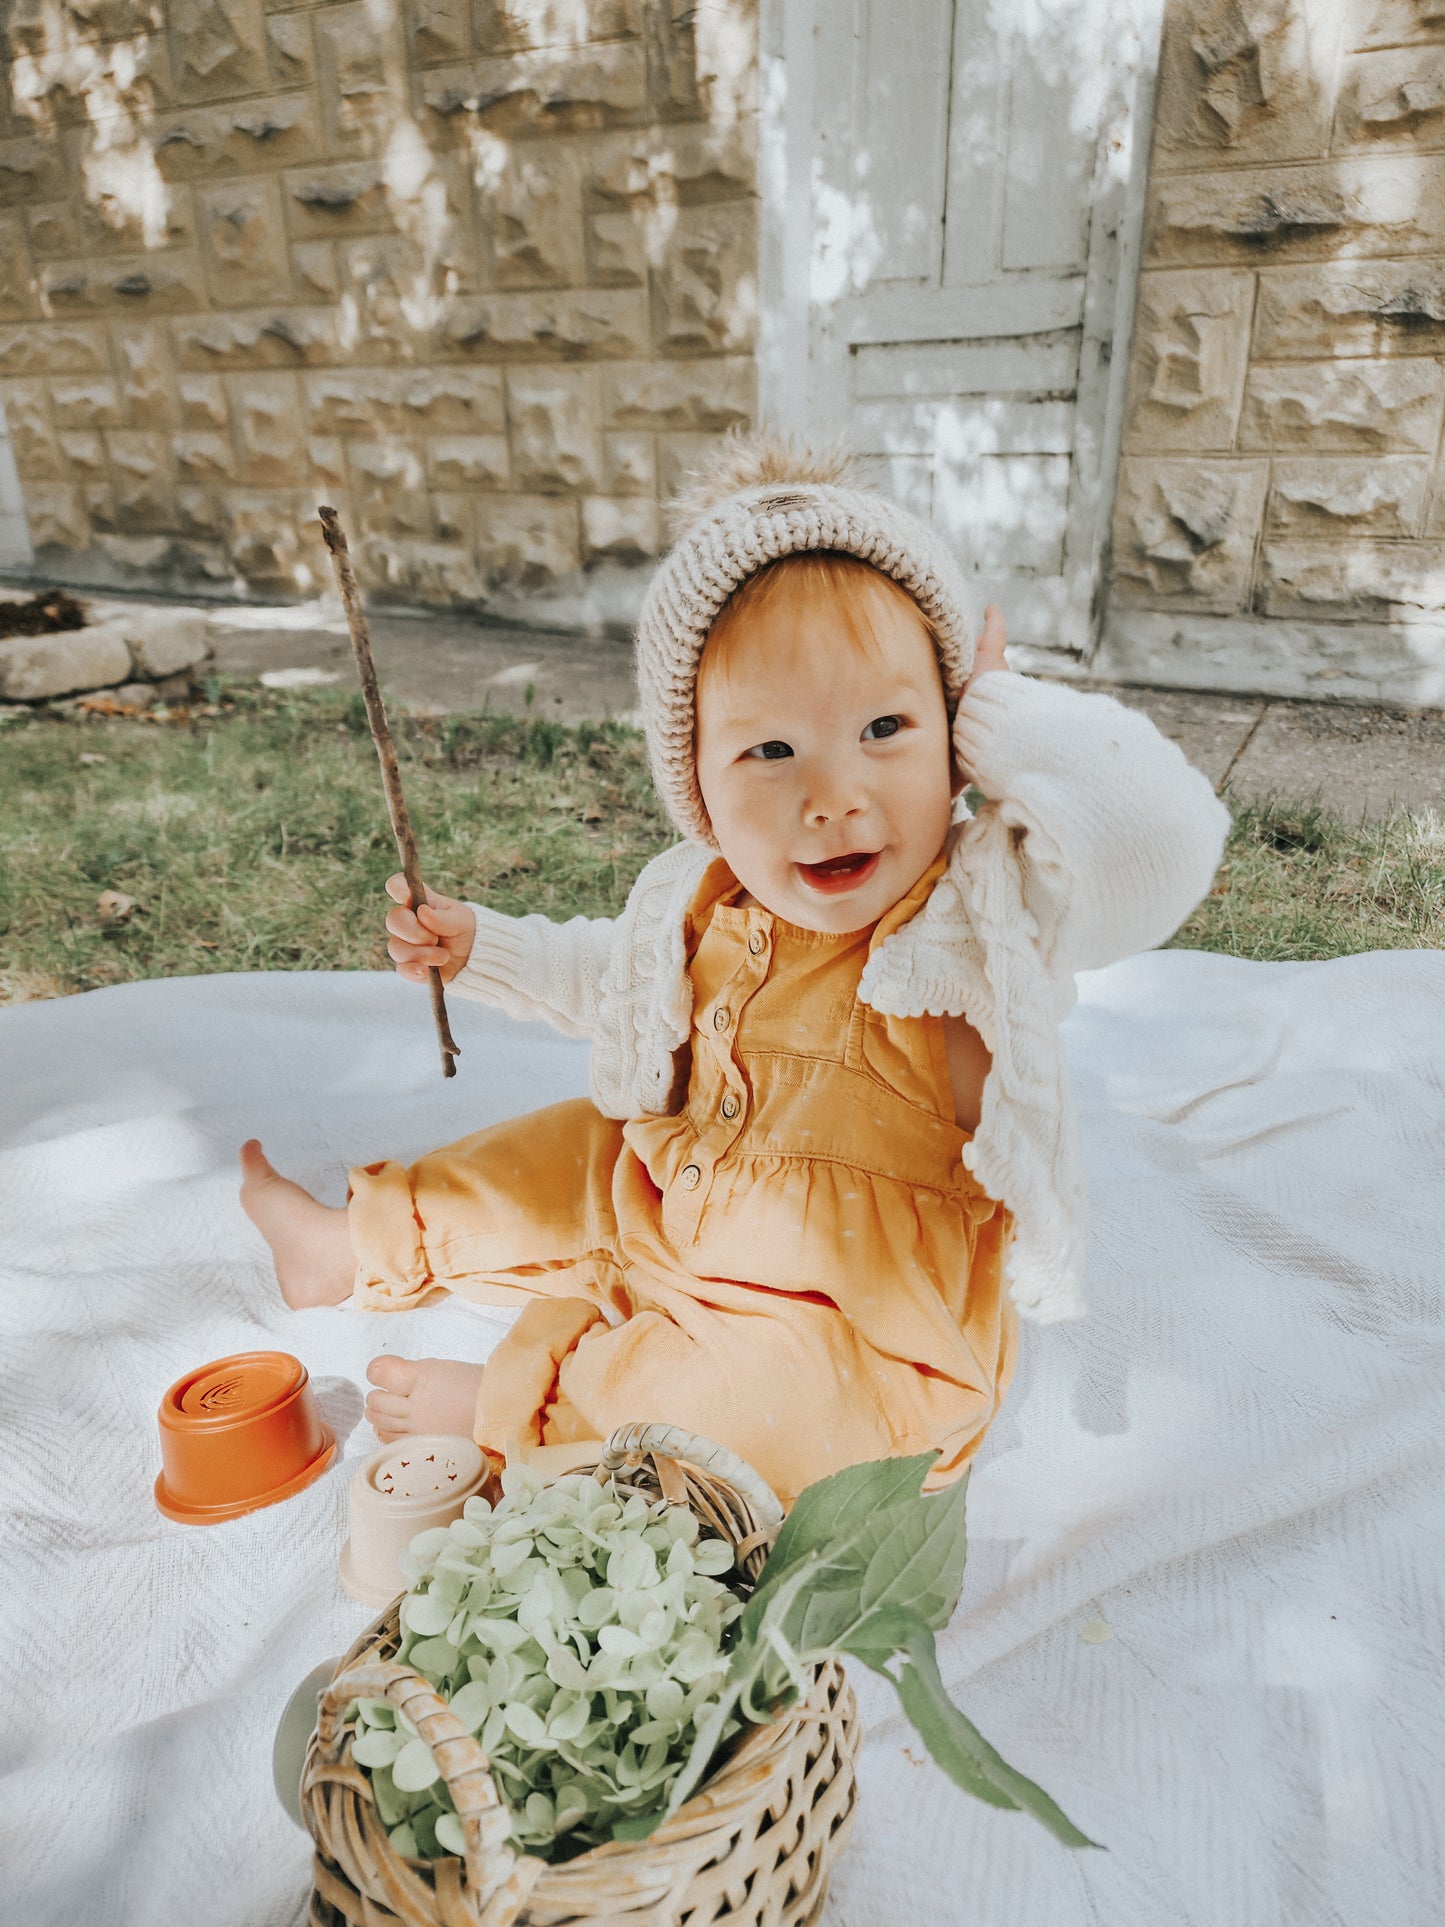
x=106 y=705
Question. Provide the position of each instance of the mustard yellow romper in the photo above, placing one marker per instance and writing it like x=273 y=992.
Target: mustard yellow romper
x=795 y=1264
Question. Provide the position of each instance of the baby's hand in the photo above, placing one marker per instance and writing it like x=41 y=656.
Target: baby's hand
x=438 y=936
x=990 y=651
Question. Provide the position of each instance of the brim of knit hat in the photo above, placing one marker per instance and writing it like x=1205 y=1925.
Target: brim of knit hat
x=731 y=542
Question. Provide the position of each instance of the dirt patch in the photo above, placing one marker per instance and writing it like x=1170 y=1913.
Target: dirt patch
x=42 y=615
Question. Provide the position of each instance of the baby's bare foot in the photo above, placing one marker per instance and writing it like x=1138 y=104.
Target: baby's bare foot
x=310 y=1242
x=422 y=1395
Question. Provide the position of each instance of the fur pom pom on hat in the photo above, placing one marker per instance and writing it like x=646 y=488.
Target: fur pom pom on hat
x=762 y=498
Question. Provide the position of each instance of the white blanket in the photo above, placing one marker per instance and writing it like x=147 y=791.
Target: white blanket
x=1204 y=1596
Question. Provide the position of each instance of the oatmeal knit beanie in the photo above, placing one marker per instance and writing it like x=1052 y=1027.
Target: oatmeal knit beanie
x=759 y=499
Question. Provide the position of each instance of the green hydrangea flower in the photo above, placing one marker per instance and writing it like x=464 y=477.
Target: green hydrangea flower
x=582 y=1637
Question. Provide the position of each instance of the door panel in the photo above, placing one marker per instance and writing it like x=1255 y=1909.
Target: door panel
x=965 y=189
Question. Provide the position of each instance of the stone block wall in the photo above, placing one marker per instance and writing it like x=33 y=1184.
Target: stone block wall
x=1280 y=517
x=481 y=272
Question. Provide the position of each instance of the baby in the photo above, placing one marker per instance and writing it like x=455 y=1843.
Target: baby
x=828 y=1155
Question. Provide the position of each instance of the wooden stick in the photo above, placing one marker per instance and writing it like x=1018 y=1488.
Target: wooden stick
x=386 y=756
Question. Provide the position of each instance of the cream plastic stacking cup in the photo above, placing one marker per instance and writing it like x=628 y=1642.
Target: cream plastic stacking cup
x=402 y=1490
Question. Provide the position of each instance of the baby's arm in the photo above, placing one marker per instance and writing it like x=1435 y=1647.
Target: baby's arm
x=527 y=966
x=1116 y=836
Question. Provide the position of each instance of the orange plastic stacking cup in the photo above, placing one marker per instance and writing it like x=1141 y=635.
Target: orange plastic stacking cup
x=237 y=1435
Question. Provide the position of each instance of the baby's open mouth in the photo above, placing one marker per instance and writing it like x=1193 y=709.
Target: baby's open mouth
x=840 y=873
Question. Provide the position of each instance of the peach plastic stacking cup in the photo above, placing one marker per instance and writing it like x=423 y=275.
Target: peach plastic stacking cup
x=239 y=1434
x=405 y=1488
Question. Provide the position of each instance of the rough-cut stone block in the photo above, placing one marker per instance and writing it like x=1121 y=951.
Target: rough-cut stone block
x=552 y=417
x=202 y=456
x=619 y=528
x=513 y=26
x=708 y=64
x=245 y=243
x=468 y=461
x=169 y=283
x=679 y=458
x=281 y=130
x=163 y=642
x=347 y=198
x=50 y=348
x=57 y=517
x=1328 y=496
x=1191 y=350
x=314 y=266
x=259 y=338
x=53 y=230
x=326 y=455
x=407 y=401
x=1398 y=23
x=18 y=295
x=1394 y=98
x=1361 y=308
x=1386 y=582
x=35 y=667
x=141 y=478
x=710 y=394
x=444 y=573
x=596 y=323
x=354 y=99
x=1238 y=80
x=30 y=170
x=290 y=53
x=617 y=247
x=85 y=403
x=202 y=400
x=263 y=545
x=663 y=166
x=1185 y=531
x=32 y=432
x=201 y=511
x=440 y=29
x=1383 y=204
x=84 y=453
x=143 y=357
x=219 y=48
x=454 y=517
x=1346 y=405
x=269 y=429
x=535 y=220
x=389 y=483
x=549 y=91
x=528 y=541
x=705 y=289
x=629 y=465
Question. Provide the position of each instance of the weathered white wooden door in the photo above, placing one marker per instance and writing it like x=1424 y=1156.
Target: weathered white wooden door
x=965 y=171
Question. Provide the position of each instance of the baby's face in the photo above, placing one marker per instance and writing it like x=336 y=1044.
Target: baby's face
x=825 y=766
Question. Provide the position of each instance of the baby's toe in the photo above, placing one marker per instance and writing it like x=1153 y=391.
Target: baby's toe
x=392 y=1374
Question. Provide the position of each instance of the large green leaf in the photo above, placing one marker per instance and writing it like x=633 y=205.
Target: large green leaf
x=863 y=1543
x=953 y=1740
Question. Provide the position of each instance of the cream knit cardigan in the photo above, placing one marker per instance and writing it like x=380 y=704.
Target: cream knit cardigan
x=1097 y=840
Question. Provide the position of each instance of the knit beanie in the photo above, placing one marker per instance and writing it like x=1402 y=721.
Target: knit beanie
x=759 y=499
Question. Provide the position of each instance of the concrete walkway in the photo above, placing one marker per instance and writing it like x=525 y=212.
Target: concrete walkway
x=1357 y=761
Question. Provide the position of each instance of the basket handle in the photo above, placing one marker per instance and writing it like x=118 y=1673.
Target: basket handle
x=635 y=1441
x=499 y=1878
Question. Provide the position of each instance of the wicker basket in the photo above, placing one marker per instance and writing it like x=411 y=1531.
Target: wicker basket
x=752 y=1847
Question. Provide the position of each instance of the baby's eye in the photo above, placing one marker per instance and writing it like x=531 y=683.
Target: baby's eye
x=772 y=752
x=882 y=726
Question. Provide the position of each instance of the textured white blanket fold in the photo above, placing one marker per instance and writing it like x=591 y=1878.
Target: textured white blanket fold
x=1204 y=1602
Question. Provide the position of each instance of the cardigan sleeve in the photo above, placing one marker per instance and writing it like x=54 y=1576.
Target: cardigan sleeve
x=532 y=967
x=1117 y=836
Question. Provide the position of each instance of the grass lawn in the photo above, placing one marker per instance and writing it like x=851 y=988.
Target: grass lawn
x=251 y=835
